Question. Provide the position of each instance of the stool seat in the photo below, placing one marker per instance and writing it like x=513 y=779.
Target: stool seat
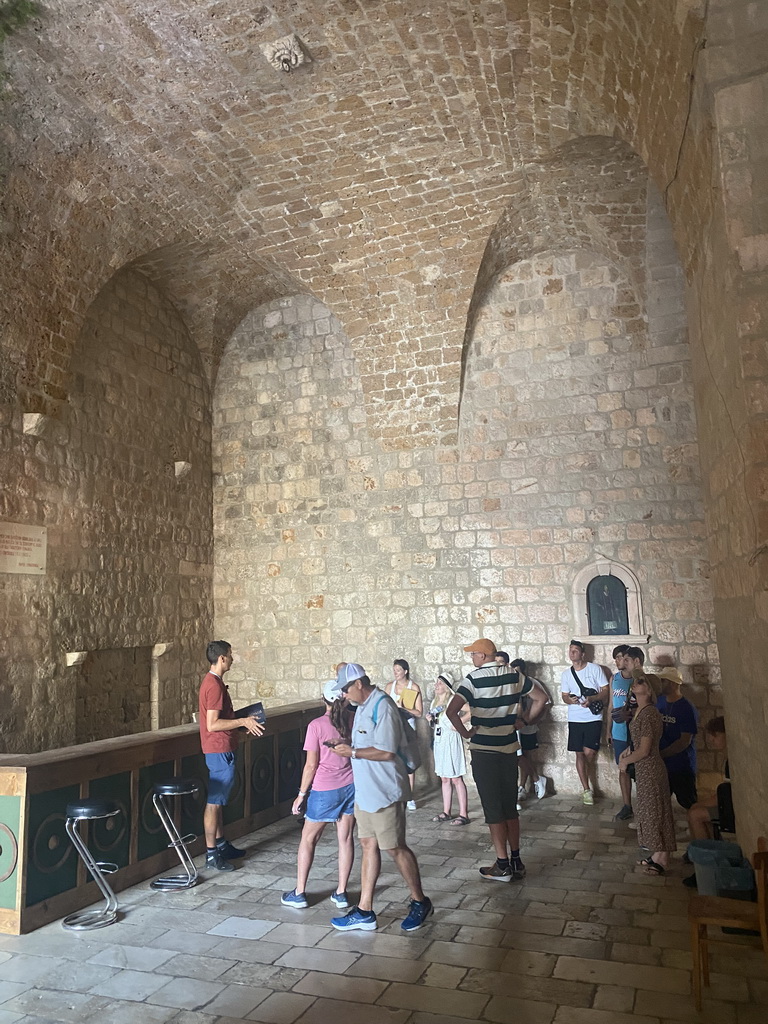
x=176 y=787
x=88 y=808
x=162 y=792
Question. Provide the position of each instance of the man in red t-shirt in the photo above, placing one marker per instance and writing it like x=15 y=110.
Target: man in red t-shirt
x=219 y=740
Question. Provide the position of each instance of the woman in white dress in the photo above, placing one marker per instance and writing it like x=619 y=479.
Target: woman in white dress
x=407 y=695
x=450 y=761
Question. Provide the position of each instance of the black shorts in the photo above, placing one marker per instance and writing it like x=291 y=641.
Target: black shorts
x=528 y=741
x=495 y=776
x=682 y=785
x=585 y=734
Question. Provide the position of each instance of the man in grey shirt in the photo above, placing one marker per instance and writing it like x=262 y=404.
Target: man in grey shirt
x=378 y=748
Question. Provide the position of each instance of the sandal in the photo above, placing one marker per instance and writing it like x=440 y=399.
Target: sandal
x=442 y=816
x=651 y=867
x=460 y=820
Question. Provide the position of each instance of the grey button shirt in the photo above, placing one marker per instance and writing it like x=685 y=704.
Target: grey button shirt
x=379 y=784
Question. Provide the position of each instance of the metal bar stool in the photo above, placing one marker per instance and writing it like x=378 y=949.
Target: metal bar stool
x=98 y=917
x=162 y=791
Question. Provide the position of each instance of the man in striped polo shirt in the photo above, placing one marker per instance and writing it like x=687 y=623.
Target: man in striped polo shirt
x=493 y=693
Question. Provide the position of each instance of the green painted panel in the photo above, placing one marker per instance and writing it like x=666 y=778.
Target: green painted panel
x=152 y=836
x=290 y=762
x=262 y=774
x=109 y=839
x=193 y=805
x=52 y=860
x=10 y=816
x=235 y=808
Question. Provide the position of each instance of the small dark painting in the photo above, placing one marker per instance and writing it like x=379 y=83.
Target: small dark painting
x=607 y=607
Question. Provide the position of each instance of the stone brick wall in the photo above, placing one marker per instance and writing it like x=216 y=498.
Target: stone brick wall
x=578 y=443
x=129 y=544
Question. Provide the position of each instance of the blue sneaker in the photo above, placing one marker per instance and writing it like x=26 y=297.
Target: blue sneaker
x=294 y=899
x=339 y=899
x=362 y=920
x=417 y=915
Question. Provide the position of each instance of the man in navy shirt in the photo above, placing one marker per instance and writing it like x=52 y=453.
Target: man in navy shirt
x=677 y=746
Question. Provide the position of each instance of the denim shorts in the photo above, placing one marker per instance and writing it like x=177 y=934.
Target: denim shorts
x=221 y=776
x=330 y=804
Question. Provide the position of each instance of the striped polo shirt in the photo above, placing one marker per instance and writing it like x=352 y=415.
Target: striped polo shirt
x=493 y=693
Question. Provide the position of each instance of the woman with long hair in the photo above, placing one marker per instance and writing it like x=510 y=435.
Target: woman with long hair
x=450 y=761
x=653 y=804
x=407 y=695
x=331 y=799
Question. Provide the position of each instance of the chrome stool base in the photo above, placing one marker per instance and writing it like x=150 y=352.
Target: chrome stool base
x=95 y=917
x=162 y=792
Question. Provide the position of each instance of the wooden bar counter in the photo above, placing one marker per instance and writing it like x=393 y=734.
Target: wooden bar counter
x=41 y=876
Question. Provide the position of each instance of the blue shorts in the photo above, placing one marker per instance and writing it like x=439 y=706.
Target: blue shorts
x=330 y=804
x=221 y=776
x=619 y=746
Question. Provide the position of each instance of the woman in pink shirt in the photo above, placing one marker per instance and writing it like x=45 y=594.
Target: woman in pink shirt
x=332 y=798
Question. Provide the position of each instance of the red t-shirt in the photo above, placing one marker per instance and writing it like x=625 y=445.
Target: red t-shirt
x=214 y=696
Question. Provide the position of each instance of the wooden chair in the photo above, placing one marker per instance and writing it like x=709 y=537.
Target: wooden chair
x=717 y=911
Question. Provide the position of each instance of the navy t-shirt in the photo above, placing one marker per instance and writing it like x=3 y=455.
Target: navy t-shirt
x=678 y=717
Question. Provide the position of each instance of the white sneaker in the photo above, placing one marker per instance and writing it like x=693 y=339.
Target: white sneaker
x=519 y=807
x=521 y=793
x=587 y=797
x=540 y=786
x=411 y=805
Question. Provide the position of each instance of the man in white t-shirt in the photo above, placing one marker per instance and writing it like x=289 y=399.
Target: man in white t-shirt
x=582 y=685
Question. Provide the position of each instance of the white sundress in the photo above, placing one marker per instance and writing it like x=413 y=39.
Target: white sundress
x=448 y=751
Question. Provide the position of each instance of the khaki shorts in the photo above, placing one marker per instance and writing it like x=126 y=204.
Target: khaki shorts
x=386 y=826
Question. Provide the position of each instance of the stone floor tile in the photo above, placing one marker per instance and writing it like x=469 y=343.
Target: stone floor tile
x=331 y=986
x=10 y=1017
x=404 y=947
x=557 y=944
x=185 y=942
x=585 y=930
x=285 y=1008
x=443 y=976
x=204 y=968
x=261 y=952
x=29 y=969
x=388 y=968
x=479 y=936
x=435 y=1001
x=312 y=959
x=614 y=997
x=242 y=928
x=132 y=958
x=77 y=977
x=569 y=1015
x=528 y=986
x=236 y=1001
x=123 y=1012
x=528 y=923
x=136 y=985
x=681 y=1008
x=62 y=1007
x=658 y=979
x=299 y=934
x=186 y=993
x=505 y=1009
x=9 y=989
x=278 y=979
x=630 y=954
x=325 y=1011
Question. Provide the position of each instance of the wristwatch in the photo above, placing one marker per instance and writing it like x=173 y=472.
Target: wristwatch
x=354 y=753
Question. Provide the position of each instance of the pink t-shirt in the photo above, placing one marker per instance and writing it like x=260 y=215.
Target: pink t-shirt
x=333 y=771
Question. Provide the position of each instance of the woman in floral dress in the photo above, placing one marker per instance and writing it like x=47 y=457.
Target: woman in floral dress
x=653 y=806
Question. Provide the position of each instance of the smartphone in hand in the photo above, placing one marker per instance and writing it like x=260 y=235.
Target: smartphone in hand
x=330 y=743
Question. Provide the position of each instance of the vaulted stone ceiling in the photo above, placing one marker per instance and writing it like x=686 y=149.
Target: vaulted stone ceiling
x=159 y=136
